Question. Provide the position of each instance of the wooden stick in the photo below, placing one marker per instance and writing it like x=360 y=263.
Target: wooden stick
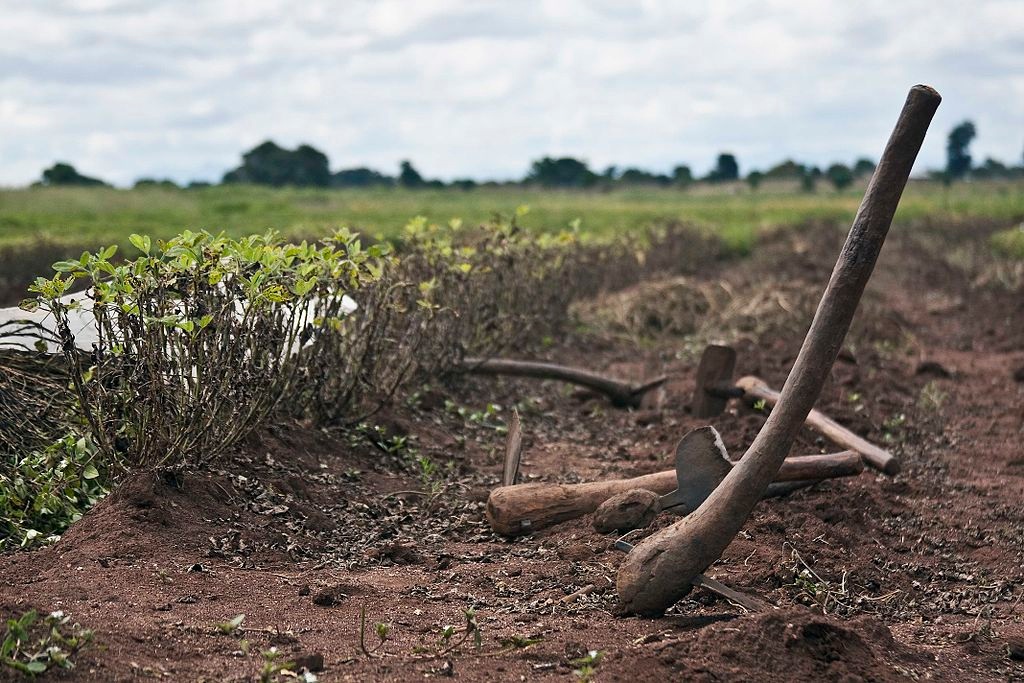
x=661 y=569
x=513 y=450
x=879 y=458
x=748 y=602
x=622 y=394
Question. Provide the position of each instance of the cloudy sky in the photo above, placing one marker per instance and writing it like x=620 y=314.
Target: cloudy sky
x=130 y=88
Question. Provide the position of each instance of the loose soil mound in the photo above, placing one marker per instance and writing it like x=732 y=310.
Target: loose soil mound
x=787 y=645
x=875 y=578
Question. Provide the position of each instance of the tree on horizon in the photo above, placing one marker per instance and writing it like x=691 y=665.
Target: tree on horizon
x=726 y=169
x=958 y=154
x=269 y=164
x=63 y=173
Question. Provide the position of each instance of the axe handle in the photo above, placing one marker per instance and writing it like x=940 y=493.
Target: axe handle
x=756 y=389
x=523 y=508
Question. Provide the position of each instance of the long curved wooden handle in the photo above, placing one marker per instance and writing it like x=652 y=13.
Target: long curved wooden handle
x=661 y=569
x=621 y=394
x=523 y=508
x=879 y=458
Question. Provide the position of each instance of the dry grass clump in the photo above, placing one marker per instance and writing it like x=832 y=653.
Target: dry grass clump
x=677 y=306
x=701 y=312
x=35 y=404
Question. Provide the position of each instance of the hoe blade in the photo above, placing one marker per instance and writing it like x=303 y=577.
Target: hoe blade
x=701 y=464
x=716 y=367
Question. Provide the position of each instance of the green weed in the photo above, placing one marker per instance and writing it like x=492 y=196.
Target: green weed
x=932 y=397
x=43 y=492
x=586 y=666
x=230 y=626
x=33 y=646
x=1010 y=242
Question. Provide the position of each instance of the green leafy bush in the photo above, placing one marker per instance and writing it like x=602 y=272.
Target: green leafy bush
x=202 y=338
x=453 y=291
x=43 y=492
x=199 y=338
x=500 y=285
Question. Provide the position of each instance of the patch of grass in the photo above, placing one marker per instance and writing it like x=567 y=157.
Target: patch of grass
x=1010 y=242
x=932 y=397
x=72 y=215
x=892 y=427
x=586 y=666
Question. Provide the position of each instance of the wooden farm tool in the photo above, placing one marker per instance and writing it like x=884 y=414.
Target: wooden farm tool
x=700 y=465
x=621 y=394
x=664 y=566
x=715 y=387
x=748 y=602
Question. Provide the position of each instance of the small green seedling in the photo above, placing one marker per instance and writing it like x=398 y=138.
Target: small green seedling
x=382 y=630
x=586 y=666
x=32 y=646
x=470 y=629
x=231 y=626
x=272 y=666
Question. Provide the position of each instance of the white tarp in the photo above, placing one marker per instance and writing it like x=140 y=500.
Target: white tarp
x=83 y=325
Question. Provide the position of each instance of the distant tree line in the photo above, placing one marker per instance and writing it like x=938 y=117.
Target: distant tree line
x=306 y=166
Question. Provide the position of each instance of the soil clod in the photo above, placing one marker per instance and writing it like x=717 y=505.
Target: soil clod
x=634 y=509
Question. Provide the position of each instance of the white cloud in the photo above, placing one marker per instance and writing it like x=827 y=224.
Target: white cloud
x=135 y=87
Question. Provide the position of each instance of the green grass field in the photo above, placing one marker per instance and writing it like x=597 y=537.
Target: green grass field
x=90 y=216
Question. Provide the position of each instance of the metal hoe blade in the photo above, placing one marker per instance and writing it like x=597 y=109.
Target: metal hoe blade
x=715 y=370
x=701 y=464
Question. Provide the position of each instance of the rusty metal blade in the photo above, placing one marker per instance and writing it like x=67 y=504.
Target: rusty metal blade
x=701 y=464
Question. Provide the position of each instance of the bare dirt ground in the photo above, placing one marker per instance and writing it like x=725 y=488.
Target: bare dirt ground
x=875 y=578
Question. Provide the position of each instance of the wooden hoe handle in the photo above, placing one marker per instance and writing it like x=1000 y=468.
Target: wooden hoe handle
x=621 y=394
x=879 y=458
x=523 y=508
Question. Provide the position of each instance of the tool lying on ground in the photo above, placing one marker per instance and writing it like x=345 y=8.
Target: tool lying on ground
x=715 y=387
x=621 y=394
x=700 y=465
x=666 y=565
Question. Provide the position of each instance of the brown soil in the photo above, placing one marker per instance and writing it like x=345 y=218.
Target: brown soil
x=875 y=578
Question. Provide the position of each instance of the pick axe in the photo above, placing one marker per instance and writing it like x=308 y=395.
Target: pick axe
x=664 y=566
x=715 y=387
x=701 y=464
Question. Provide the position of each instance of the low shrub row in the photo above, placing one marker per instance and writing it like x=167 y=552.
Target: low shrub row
x=202 y=339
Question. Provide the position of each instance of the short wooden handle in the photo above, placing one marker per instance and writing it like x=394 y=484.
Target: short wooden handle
x=521 y=509
x=879 y=458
